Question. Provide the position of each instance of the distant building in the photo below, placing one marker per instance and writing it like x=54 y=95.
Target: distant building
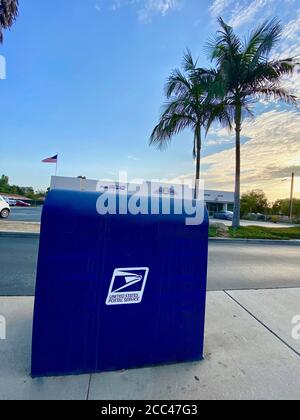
x=216 y=201
x=15 y=197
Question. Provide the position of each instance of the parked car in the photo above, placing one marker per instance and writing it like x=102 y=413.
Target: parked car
x=224 y=215
x=10 y=201
x=21 y=203
x=255 y=216
x=4 y=208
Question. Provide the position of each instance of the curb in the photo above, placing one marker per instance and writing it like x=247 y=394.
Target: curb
x=32 y=235
x=35 y=235
x=292 y=242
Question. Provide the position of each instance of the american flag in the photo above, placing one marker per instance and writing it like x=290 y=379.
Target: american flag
x=51 y=160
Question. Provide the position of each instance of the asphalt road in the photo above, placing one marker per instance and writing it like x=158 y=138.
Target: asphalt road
x=24 y=214
x=231 y=266
x=18 y=258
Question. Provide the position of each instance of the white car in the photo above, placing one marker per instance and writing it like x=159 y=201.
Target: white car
x=4 y=208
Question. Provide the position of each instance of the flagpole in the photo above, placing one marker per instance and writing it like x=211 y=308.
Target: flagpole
x=56 y=165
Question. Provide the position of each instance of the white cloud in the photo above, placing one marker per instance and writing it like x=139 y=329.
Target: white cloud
x=246 y=14
x=272 y=152
x=243 y=12
x=290 y=41
x=219 y=137
x=146 y=9
x=292 y=29
x=134 y=158
x=160 y=7
x=218 y=142
x=220 y=132
x=115 y=5
x=290 y=47
x=219 y=6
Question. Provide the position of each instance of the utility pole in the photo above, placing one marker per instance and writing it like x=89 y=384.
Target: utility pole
x=292 y=197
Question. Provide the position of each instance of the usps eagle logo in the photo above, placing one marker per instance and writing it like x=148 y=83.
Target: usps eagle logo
x=127 y=286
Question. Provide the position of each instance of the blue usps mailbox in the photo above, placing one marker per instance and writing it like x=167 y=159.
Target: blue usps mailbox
x=116 y=291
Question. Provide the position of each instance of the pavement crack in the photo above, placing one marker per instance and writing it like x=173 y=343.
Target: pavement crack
x=261 y=323
x=89 y=387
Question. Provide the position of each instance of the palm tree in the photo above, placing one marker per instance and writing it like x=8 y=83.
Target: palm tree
x=188 y=106
x=8 y=13
x=247 y=73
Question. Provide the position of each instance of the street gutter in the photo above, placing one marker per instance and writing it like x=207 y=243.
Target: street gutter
x=292 y=242
x=19 y=235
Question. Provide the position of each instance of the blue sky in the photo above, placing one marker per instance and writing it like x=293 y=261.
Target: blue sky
x=85 y=79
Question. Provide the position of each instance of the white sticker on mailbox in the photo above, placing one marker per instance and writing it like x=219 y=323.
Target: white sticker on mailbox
x=127 y=286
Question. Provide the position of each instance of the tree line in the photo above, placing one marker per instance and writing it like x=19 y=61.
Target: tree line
x=28 y=192
x=256 y=202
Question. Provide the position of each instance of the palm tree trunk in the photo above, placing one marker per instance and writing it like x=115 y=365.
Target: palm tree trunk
x=237 y=194
x=198 y=160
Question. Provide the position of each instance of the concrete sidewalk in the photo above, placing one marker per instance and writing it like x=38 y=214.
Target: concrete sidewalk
x=8 y=226
x=250 y=354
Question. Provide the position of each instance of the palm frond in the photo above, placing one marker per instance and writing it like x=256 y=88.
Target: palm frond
x=169 y=126
x=269 y=72
x=9 y=10
x=247 y=110
x=216 y=85
x=272 y=91
x=189 y=65
x=245 y=72
x=177 y=84
x=226 y=44
x=221 y=112
x=261 y=42
x=284 y=67
x=182 y=105
x=194 y=97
